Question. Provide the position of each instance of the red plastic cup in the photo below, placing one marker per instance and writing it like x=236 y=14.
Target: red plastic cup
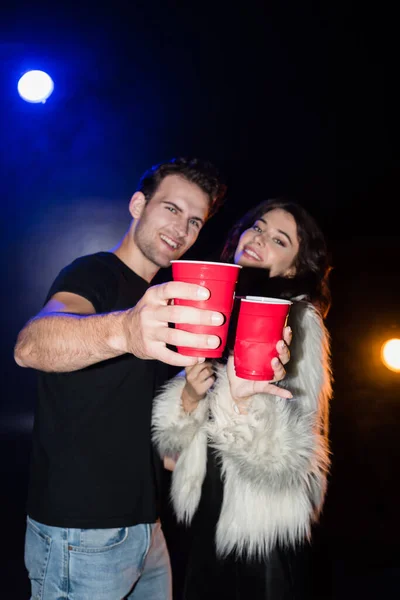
x=220 y=279
x=260 y=325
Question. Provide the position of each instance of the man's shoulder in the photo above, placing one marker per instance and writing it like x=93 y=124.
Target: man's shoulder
x=103 y=279
x=97 y=262
x=90 y=276
x=89 y=259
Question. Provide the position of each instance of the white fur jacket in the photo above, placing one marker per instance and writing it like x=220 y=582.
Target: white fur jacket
x=275 y=459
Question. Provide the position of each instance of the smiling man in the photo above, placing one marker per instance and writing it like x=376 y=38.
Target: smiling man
x=165 y=226
x=92 y=526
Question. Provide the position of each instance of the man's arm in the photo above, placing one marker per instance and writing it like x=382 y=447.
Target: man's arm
x=66 y=335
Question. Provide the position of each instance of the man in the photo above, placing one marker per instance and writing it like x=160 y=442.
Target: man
x=92 y=528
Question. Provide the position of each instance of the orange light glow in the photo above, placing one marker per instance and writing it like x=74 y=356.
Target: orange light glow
x=390 y=354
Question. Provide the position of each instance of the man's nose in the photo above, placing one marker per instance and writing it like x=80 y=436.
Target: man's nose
x=181 y=228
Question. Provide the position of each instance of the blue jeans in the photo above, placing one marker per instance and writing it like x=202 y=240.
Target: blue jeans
x=97 y=564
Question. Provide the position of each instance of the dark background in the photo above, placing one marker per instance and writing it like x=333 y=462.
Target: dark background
x=286 y=98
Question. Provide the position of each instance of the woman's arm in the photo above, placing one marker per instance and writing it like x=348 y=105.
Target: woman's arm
x=181 y=407
x=282 y=444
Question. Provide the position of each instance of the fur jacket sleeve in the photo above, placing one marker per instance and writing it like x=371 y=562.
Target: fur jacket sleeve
x=274 y=460
x=173 y=428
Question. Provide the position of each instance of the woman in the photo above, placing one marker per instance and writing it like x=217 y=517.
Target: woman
x=251 y=468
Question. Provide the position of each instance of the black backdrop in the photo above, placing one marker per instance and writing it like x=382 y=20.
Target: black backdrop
x=292 y=98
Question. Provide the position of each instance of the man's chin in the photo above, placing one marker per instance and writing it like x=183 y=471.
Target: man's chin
x=165 y=262
x=177 y=256
x=163 y=259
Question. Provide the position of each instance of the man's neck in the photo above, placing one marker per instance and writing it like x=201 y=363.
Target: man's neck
x=129 y=253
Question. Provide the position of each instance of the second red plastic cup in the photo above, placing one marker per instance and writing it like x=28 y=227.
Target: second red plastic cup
x=220 y=279
x=260 y=326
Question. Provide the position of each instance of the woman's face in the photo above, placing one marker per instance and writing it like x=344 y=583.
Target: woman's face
x=271 y=243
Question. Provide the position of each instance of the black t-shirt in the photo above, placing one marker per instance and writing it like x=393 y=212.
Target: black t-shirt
x=93 y=464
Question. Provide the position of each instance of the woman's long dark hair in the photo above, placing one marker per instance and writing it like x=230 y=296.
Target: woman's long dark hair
x=312 y=262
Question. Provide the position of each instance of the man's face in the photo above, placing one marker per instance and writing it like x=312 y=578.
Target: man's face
x=171 y=221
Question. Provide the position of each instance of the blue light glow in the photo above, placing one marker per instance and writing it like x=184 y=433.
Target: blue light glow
x=35 y=86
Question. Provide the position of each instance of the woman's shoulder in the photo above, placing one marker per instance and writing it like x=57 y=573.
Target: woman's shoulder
x=307 y=324
x=304 y=310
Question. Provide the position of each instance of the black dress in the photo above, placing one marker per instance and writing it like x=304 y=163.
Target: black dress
x=210 y=578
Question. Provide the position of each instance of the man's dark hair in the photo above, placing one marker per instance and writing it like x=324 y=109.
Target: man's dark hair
x=200 y=172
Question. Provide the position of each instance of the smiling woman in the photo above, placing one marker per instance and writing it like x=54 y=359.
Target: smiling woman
x=271 y=243
x=281 y=231
x=251 y=462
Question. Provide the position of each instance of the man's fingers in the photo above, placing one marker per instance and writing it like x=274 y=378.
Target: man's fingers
x=188 y=315
x=175 y=359
x=178 y=337
x=178 y=289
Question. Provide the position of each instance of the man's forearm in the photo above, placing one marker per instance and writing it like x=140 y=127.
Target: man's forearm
x=62 y=342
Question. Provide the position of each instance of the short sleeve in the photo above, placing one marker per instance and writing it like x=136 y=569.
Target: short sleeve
x=89 y=277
